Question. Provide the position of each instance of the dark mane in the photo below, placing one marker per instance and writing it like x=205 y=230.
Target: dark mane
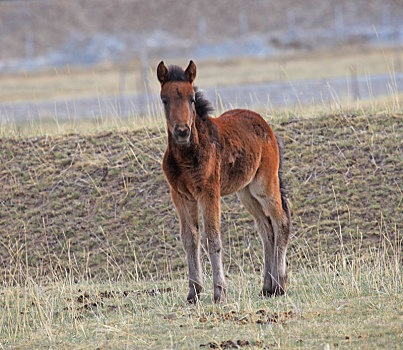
x=203 y=106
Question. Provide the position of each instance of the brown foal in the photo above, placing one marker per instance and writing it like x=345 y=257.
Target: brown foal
x=207 y=158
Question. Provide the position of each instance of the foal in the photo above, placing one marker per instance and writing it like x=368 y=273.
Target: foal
x=207 y=158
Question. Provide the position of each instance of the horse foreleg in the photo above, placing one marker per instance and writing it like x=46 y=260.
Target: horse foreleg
x=210 y=206
x=189 y=231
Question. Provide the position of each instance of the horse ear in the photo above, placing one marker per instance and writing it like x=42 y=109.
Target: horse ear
x=191 y=72
x=162 y=73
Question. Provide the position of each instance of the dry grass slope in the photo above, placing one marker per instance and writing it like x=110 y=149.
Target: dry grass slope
x=98 y=205
x=90 y=255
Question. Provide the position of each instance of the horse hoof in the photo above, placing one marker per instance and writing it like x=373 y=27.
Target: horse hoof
x=220 y=295
x=192 y=299
x=278 y=291
x=220 y=299
x=267 y=293
x=194 y=293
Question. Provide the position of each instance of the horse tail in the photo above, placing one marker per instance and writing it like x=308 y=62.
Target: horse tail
x=283 y=189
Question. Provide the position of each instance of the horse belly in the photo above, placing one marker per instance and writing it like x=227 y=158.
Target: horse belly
x=237 y=173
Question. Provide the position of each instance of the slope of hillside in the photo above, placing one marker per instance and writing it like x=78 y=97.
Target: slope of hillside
x=98 y=205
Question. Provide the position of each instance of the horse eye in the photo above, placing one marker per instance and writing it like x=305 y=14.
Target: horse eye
x=164 y=101
x=192 y=100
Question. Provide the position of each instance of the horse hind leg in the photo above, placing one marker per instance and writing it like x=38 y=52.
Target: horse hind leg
x=270 y=198
x=265 y=230
x=279 y=268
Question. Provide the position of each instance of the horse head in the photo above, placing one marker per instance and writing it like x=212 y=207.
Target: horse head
x=178 y=98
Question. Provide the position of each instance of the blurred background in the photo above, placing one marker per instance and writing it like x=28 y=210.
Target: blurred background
x=88 y=60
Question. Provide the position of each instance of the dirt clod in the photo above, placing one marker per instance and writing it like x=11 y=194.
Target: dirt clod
x=232 y=344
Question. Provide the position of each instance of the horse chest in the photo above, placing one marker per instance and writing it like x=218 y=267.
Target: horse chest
x=187 y=183
x=192 y=176
x=180 y=177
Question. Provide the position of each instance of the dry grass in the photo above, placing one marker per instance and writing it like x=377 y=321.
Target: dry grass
x=112 y=79
x=346 y=305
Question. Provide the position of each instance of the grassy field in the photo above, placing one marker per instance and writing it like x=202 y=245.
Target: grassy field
x=91 y=256
x=356 y=306
x=113 y=79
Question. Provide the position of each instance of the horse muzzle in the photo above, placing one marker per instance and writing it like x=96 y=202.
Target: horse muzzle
x=182 y=134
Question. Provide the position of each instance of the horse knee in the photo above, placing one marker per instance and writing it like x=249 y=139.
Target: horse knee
x=194 y=292
x=189 y=238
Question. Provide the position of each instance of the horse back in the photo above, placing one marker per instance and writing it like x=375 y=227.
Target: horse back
x=246 y=123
